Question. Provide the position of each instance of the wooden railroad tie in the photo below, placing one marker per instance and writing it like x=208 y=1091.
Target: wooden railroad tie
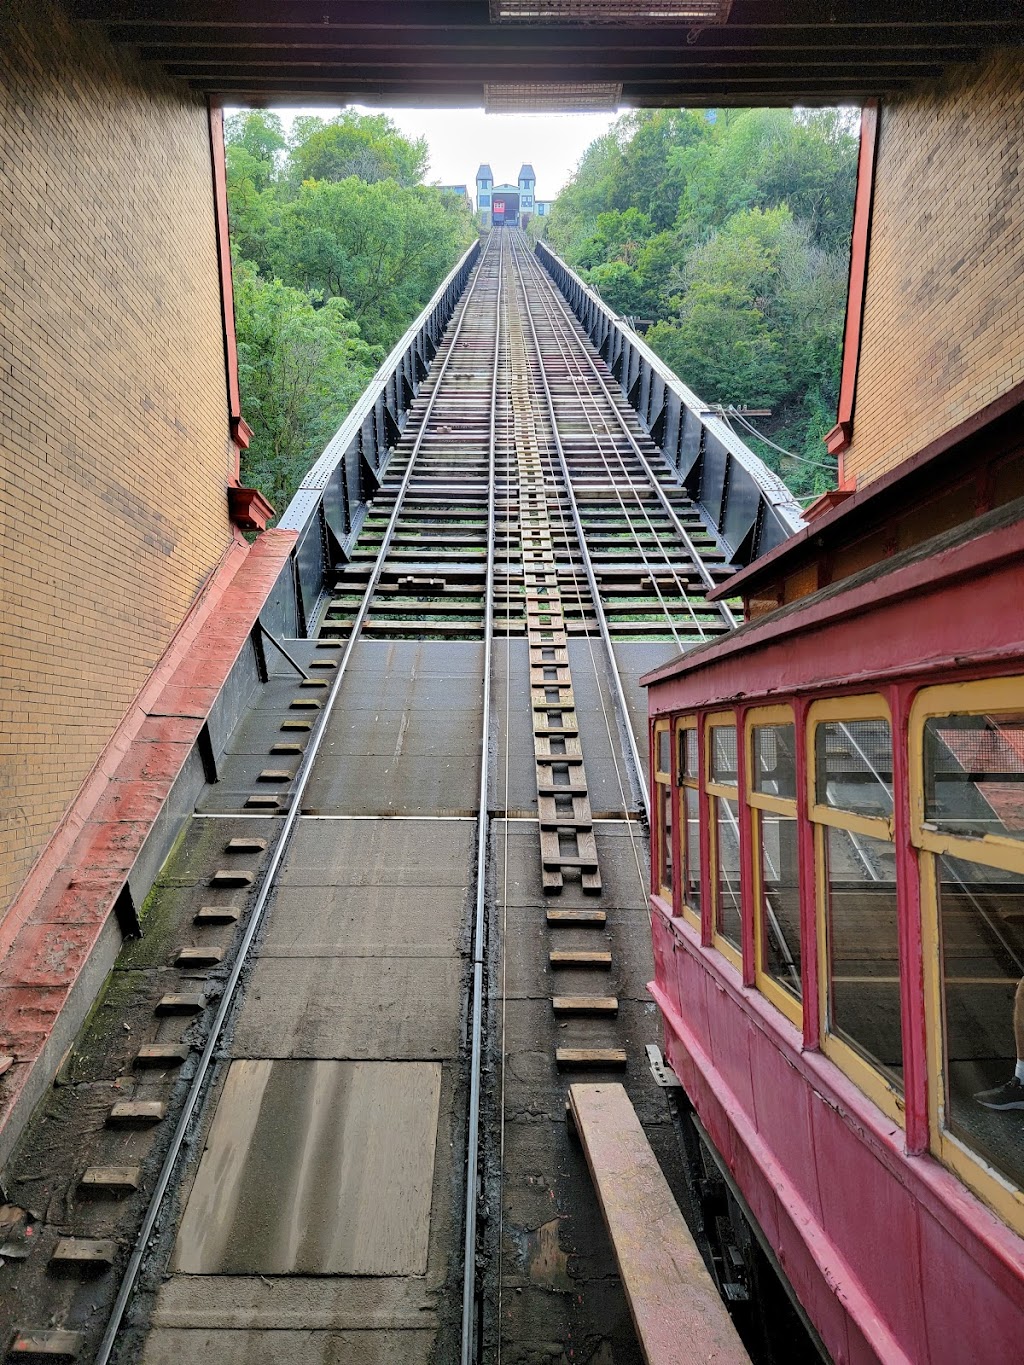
x=601 y=1058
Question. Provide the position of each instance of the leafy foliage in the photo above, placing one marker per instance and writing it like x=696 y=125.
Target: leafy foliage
x=729 y=233
x=336 y=248
x=300 y=369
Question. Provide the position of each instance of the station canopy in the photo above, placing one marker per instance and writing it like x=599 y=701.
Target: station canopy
x=556 y=54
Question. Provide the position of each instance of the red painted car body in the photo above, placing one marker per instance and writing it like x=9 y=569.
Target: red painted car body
x=890 y=1253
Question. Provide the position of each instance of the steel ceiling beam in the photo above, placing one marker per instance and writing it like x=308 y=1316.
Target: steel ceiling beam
x=444 y=51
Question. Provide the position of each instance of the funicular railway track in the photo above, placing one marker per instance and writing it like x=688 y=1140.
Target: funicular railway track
x=523 y=560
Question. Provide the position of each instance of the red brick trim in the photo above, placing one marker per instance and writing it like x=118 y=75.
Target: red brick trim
x=839 y=437
x=249 y=508
x=56 y=919
x=240 y=431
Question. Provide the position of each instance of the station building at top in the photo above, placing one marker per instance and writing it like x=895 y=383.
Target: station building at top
x=508 y=205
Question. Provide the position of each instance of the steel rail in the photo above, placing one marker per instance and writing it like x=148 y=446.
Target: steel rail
x=568 y=345
x=585 y=394
x=632 y=754
x=653 y=479
x=482 y=835
x=227 y=999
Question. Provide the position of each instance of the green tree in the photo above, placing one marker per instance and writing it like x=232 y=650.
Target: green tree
x=731 y=231
x=336 y=248
x=300 y=368
x=260 y=135
x=759 y=158
x=383 y=247
x=368 y=146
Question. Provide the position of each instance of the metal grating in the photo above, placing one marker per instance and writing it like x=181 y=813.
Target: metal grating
x=634 y=13
x=578 y=97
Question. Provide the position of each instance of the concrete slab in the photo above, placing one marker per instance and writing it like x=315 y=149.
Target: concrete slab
x=351 y=1007
x=368 y=692
x=405 y=735
x=513 y=721
x=317 y=1302
x=418 y=658
x=315 y=1166
x=364 y=784
x=358 y=921
x=380 y=853
x=448 y=728
x=169 y=1346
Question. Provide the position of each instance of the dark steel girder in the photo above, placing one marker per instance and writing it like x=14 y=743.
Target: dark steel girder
x=442 y=51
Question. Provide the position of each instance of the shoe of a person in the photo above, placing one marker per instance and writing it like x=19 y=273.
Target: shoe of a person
x=1008 y=1096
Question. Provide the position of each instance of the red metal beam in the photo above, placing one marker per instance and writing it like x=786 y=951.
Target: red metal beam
x=839 y=437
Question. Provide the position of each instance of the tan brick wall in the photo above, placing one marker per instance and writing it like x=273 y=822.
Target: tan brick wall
x=943 y=331
x=114 y=443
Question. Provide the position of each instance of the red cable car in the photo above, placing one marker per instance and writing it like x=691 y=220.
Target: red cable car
x=838 y=807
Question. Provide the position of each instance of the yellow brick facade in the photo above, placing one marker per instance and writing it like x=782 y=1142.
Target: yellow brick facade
x=114 y=439
x=943 y=329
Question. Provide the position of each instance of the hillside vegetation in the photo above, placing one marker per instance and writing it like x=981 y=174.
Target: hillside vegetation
x=336 y=247
x=730 y=232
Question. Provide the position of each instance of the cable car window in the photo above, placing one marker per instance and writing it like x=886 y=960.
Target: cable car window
x=974 y=774
x=773 y=752
x=689 y=766
x=779 y=899
x=724 y=815
x=689 y=829
x=723 y=754
x=860 y=1004
x=967 y=817
x=663 y=808
x=981 y=913
x=727 y=871
x=863 y=990
x=853 y=765
x=771 y=796
x=664 y=755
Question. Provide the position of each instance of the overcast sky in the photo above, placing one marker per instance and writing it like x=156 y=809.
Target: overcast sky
x=460 y=139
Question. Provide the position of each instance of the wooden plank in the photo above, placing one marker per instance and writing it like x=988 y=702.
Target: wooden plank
x=678 y=1315
x=85 y=1251
x=593 y=919
x=161 y=1054
x=136 y=1113
x=576 y=957
x=199 y=957
x=215 y=914
x=177 y=1003
x=51 y=1341
x=585 y=1004
x=113 y=1178
x=605 y=1058
x=227 y=876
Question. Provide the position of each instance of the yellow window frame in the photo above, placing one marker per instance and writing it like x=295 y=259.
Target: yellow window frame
x=764 y=717
x=718 y=791
x=689 y=782
x=986 y=697
x=869 y=706
x=663 y=791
